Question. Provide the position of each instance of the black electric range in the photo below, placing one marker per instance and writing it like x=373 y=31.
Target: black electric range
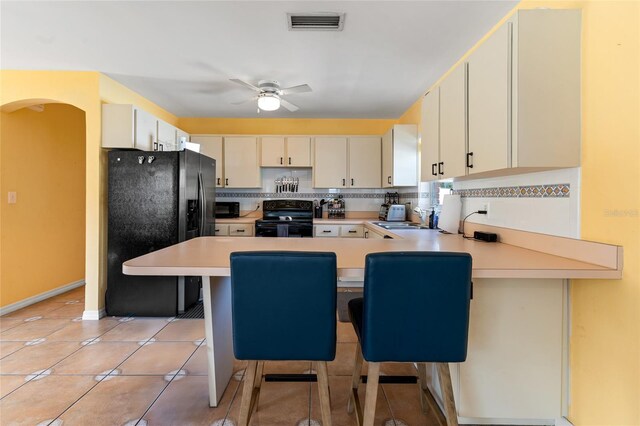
x=285 y=218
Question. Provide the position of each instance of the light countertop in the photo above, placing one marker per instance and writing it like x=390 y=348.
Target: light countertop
x=210 y=255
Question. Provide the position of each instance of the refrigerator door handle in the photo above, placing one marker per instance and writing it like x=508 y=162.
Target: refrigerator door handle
x=203 y=204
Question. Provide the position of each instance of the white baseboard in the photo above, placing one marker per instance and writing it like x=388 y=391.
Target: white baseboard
x=39 y=297
x=562 y=421
x=93 y=315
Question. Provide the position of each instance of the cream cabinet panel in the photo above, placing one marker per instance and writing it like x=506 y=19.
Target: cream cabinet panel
x=400 y=156
x=273 y=152
x=453 y=135
x=221 y=230
x=330 y=162
x=166 y=136
x=241 y=230
x=298 y=151
x=212 y=146
x=365 y=161
x=326 y=231
x=430 y=136
x=352 y=231
x=129 y=127
x=241 y=162
x=489 y=103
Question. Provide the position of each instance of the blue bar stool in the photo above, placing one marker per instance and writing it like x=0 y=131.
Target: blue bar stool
x=283 y=309
x=415 y=309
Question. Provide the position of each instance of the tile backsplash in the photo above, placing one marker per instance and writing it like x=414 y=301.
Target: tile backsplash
x=546 y=202
x=355 y=199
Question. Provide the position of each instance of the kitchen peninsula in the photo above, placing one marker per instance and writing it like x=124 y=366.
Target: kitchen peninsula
x=517 y=366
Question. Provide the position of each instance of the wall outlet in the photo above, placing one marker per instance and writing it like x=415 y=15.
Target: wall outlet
x=486 y=208
x=12 y=197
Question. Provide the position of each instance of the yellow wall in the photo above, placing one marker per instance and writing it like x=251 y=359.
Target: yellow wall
x=86 y=91
x=285 y=126
x=605 y=314
x=43 y=161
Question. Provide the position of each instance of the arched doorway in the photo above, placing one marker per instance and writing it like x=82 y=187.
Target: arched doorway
x=42 y=167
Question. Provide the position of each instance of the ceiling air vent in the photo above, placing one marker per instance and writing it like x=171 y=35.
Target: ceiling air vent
x=315 y=21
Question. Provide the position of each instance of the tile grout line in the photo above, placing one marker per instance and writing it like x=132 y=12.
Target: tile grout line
x=169 y=382
x=104 y=376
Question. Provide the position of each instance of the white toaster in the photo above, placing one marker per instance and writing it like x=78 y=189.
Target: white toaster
x=396 y=213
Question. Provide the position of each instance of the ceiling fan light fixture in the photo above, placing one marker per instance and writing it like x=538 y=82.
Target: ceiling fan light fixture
x=268 y=101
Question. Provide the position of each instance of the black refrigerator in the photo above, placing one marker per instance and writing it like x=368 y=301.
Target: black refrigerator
x=156 y=199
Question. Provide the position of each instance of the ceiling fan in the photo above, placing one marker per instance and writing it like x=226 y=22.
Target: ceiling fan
x=270 y=94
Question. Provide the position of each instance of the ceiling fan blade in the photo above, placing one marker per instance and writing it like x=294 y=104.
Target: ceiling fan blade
x=245 y=101
x=245 y=84
x=288 y=105
x=303 y=88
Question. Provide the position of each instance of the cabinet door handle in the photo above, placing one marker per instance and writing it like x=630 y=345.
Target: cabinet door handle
x=366 y=234
x=433 y=169
x=155 y=146
x=218 y=181
x=161 y=147
x=441 y=167
x=389 y=180
x=281 y=160
x=352 y=182
x=289 y=160
x=344 y=182
x=226 y=181
x=469 y=158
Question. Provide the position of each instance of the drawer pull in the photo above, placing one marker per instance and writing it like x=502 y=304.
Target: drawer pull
x=239 y=230
x=326 y=231
x=353 y=232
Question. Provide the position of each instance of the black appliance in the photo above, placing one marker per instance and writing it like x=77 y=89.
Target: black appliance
x=156 y=199
x=227 y=209
x=285 y=218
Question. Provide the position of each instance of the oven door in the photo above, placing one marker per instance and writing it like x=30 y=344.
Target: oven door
x=284 y=229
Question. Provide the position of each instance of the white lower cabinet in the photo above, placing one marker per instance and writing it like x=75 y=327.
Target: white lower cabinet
x=222 y=230
x=241 y=230
x=326 y=230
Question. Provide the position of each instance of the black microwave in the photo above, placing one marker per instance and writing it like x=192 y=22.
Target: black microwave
x=227 y=209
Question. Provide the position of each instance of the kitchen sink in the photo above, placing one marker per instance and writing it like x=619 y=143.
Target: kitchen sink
x=400 y=225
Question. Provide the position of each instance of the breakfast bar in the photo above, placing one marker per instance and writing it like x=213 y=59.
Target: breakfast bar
x=517 y=366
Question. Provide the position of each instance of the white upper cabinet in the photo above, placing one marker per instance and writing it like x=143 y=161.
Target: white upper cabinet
x=212 y=146
x=273 y=152
x=400 y=156
x=166 y=136
x=281 y=151
x=365 y=161
x=181 y=135
x=129 y=127
x=298 y=151
x=430 y=136
x=524 y=94
x=330 y=162
x=489 y=103
x=453 y=124
x=241 y=162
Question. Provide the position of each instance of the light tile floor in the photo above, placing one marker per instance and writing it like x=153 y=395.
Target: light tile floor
x=56 y=369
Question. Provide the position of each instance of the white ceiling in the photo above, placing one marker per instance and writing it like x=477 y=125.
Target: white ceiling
x=180 y=54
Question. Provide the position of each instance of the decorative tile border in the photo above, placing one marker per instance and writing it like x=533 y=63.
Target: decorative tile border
x=312 y=195
x=557 y=190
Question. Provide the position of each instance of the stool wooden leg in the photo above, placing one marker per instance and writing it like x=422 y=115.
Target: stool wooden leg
x=422 y=385
x=447 y=394
x=373 y=376
x=247 y=393
x=355 y=382
x=323 y=391
x=256 y=386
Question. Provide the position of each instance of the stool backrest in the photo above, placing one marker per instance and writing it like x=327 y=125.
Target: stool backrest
x=284 y=305
x=416 y=306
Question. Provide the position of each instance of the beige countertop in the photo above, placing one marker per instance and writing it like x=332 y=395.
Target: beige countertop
x=210 y=255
